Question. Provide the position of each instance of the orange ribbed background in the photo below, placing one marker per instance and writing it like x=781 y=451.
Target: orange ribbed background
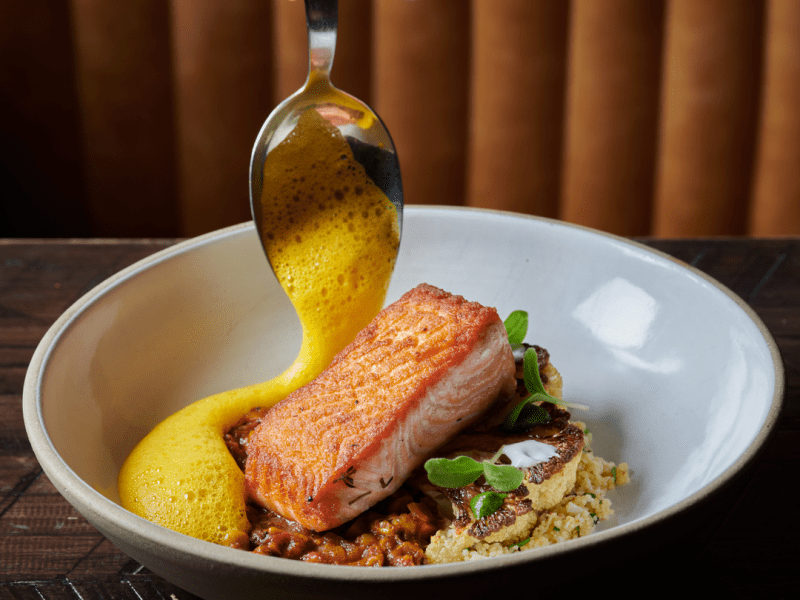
x=665 y=117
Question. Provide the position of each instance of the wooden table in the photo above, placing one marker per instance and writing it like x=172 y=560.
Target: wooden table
x=745 y=544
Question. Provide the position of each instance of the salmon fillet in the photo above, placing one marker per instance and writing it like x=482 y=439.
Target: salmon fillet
x=424 y=369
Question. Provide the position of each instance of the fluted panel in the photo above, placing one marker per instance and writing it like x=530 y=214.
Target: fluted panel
x=223 y=75
x=291 y=48
x=710 y=108
x=612 y=114
x=776 y=206
x=664 y=117
x=352 y=67
x=41 y=149
x=124 y=75
x=517 y=116
x=421 y=82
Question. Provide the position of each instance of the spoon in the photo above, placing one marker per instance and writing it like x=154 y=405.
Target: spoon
x=364 y=131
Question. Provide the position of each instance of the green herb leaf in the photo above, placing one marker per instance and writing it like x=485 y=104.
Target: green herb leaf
x=486 y=503
x=614 y=473
x=533 y=381
x=525 y=415
x=502 y=477
x=463 y=470
x=516 y=326
x=454 y=473
x=521 y=543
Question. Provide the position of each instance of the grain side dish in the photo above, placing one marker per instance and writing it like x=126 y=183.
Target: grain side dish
x=576 y=515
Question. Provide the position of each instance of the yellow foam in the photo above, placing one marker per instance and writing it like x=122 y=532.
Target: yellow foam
x=332 y=238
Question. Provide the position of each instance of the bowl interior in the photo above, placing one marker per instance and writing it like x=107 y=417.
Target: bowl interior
x=679 y=376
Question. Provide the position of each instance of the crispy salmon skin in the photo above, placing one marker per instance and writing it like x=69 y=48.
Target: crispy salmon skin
x=424 y=369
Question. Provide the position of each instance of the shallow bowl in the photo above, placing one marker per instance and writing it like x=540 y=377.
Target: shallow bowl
x=683 y=379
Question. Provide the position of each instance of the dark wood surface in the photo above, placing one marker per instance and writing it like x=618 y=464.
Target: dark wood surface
x=742 y=543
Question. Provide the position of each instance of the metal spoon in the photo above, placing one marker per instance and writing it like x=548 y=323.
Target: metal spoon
x=364 y=131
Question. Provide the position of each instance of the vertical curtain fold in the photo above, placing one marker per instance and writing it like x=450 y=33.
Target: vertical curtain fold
x=353 y=66
x=518 y=84
x=710 y=102
x=125 y=87
x=291 y=49
x=223 y=78
x=612 y=114
x=41 y=149
x=421 y=90
x=775 y=209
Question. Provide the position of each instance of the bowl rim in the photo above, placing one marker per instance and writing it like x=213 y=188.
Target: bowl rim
x=183 y=547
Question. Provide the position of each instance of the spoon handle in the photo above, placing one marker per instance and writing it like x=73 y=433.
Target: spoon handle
x=321 y=19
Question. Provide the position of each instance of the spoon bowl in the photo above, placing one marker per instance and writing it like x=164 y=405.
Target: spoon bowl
x=362 y=128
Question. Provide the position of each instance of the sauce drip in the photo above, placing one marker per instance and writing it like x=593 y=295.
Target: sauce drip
x=529 y=453
x=331 y=236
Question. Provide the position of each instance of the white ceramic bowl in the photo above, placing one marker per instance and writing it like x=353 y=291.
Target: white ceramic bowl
x=683 y=380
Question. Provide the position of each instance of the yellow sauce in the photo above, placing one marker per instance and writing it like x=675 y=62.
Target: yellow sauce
x=332 y=238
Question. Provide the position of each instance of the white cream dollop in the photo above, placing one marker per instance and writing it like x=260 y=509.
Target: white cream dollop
x=529 y=453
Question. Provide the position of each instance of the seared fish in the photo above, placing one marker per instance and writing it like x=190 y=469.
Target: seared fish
x=424 y=369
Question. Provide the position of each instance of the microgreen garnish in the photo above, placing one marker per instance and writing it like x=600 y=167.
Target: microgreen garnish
x=463 y=470
x=453 y=473
x=614 y=473
x=521 y=543
x=516 y=326
x=502 y=477
x=533 y=381
x=527 y=414
x=486 y=503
